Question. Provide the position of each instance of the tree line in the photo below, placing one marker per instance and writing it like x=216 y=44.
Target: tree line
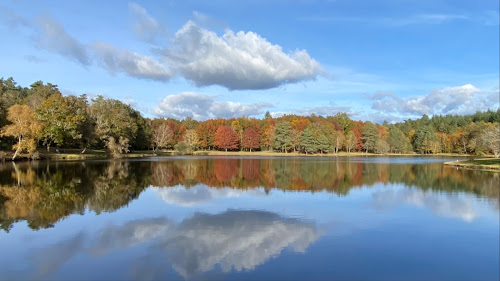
x=40 y=116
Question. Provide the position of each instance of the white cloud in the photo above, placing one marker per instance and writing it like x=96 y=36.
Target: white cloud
x=131 y=63
x=393 y=21
x=146 y=27
x=54 y=38
x=464 y=99
x=236 y=61
x=202 y=107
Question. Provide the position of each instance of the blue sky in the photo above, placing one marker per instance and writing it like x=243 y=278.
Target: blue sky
x=376 y=60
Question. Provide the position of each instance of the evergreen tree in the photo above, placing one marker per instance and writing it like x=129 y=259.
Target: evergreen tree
x=369 y=136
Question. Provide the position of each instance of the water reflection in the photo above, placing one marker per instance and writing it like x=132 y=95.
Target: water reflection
x=44 y=193
x=233 y=240
x=442 y=204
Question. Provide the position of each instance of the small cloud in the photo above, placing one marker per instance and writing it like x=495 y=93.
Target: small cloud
x=54 y=38
x=202 y=107
x=13 y=19
x=131 y=63
x=146 y=28
x=430 y=19
x=33 y=59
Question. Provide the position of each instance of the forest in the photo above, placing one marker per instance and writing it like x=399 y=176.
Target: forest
x=41 y=117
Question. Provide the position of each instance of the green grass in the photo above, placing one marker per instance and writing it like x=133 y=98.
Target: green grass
x=484 y=163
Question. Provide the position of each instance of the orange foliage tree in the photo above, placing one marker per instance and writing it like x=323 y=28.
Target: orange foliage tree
x=250 y=139
x=226 y=138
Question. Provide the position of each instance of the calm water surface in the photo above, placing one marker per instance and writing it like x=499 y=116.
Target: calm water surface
x=248 y=219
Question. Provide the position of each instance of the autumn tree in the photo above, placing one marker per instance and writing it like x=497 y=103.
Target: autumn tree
x=25 y=128
x=250 y=139
x=338 y=140
x=350 y=141
x=162 y=134
x=490 y=138
x=191 y=140
x=61 y=118
x=226 y=138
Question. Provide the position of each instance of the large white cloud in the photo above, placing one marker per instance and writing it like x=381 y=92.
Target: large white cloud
x=236 y=60
x=202 y=107
x=131 y=63
x=464 y=99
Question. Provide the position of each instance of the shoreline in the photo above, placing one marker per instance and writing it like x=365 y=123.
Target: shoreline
x=490 y=164
x=70 y=155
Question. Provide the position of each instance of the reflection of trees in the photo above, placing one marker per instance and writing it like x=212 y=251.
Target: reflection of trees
x=323 y=174
x=44 y=193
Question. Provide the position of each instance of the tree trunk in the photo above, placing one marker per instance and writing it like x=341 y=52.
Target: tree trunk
x=15 y=154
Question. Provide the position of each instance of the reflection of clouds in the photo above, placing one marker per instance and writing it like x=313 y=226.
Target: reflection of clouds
x=50 y=259
x=442 y=204
x=199 y=194
x=131 y=234
x=234 y=239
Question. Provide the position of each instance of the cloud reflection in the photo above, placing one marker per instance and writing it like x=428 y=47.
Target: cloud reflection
x=441 y=204
x=199 y=194
x=234 y=240
x=239 y=240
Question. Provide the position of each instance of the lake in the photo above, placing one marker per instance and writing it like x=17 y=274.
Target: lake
x=283 y=218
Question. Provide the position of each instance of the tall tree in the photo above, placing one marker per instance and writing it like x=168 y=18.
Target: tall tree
x=283 y=136
x=424 y=139
x=350 y=141
x=250 y=139
x=162 y=135
x=396 y=140
x=369 y=136
x=490 y=138
x=307 y=141
x=191 y=140
x=226 y=138
x=61 y=119
x=25 y=128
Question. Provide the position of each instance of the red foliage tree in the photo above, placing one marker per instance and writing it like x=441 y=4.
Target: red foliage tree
x=250 y=139
x=226 y=138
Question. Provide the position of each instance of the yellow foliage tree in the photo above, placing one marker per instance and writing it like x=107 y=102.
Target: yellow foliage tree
x=25 y=128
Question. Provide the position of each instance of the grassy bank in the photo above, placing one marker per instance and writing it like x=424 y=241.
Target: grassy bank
x=75 y=154
x=482 y=164
x=342 y=153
